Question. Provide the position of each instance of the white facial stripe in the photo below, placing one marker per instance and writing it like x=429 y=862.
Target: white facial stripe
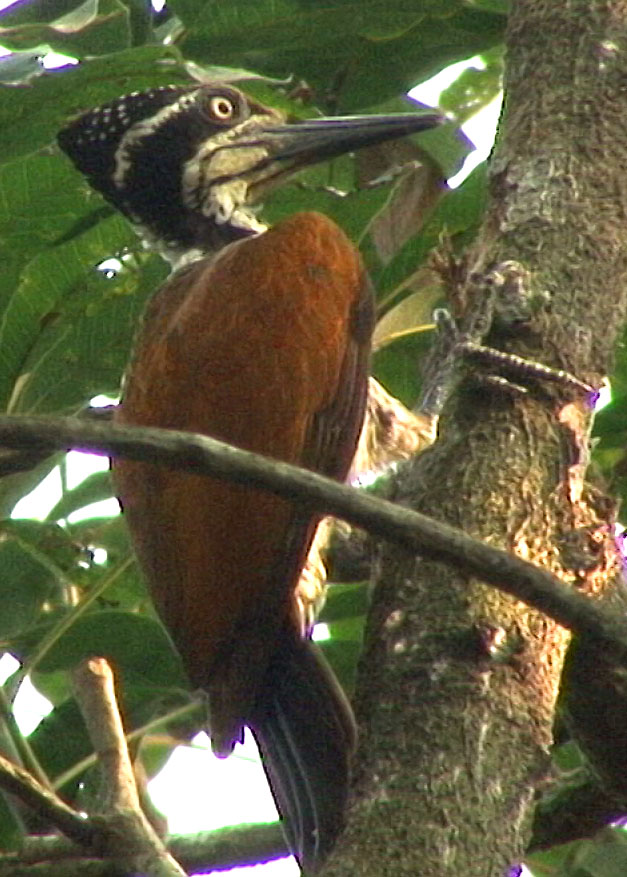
x=143 y=129
x=225 y=155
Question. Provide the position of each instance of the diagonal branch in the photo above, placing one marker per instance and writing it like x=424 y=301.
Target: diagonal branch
x=413 y=531
x=128 y=837
x=45 y=802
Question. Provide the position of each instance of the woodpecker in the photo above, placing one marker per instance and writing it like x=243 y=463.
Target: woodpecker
x=261 y=338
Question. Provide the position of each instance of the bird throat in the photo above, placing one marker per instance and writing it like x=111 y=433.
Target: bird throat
x=208 y=238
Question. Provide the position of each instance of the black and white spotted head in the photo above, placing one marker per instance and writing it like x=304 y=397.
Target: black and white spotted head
x=186 y=163
x=148 y=154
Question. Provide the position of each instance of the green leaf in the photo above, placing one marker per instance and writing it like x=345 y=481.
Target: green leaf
x=128 y=591
x=412 y=314
x=138 y=646
x=603 y=856
x=41 y=196
x=16 y=68
x=342 y=650
x=60 y=741
x=56 y=687
x=31 y=117
x=284 y=24
x=11 y=828
x=95 y=27
x=396 y=366
x=141 y=15
x=35 y=11
x=68 y=328
x=474 y=88
x=492 y=5
x=345 y=601
x=610 y=424
x=33 y=558
x=361 y=52
x=33 y=328
x=87 y=348
x=50 y=540
x=568 y=756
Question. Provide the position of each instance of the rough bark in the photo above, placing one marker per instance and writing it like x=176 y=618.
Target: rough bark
x=458 y=682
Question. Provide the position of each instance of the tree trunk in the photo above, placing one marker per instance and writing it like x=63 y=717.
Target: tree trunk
x=458 y=682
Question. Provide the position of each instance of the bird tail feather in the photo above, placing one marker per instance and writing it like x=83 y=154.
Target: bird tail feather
x=305 y=730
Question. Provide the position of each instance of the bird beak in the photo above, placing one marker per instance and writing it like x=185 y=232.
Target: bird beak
x=307 y=142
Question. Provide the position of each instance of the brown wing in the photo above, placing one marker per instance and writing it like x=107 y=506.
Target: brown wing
x=265 y=348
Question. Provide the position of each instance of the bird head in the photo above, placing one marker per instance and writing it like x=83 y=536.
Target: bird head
x=187 y=164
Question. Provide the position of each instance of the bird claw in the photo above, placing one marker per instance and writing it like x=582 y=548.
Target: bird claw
x=527 y=368
x=455 y=346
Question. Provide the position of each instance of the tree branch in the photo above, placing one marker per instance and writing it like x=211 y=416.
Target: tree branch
x=22 y=784
x=413 y=531
x=226 y=848
x=126 y=832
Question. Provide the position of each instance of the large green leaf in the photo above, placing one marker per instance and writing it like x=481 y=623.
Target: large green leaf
x=40 y=197
x=83 y=350
x=60 y=741
x=55 y=289
x=14 y=487
x=127 y=591
x=11 y=828
x=138 y=646
x=343 y=648
x=356 y=52
x=66 y=328
x=17 y=68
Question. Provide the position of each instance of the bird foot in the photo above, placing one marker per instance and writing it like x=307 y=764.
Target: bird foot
x=515 y=375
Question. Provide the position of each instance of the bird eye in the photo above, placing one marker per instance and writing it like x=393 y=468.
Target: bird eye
x=222 y=108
